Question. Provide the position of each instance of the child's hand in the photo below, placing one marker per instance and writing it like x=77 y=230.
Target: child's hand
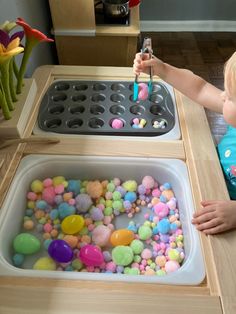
x=142 y=63
x=215 y=217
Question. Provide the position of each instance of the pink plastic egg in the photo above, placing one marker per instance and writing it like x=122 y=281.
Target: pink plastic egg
x=90 y=255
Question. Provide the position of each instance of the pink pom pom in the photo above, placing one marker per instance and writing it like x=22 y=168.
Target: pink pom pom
x=148 y=182
x=171 y=266
x=117 y=124
x=47 y=182
x=142 y=91
x=48 y=195
x=32 y=196
x=136 y=121
x=161 y=210
x=156 y=192
x=59 y=189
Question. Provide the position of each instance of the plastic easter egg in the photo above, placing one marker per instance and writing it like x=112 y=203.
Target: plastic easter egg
x=90 y=255
x=121 y=237
x=45 y=263
x=60 y=251
x=72 y=224
x=26 y=243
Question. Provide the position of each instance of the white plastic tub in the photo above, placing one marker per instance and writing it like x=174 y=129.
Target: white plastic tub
x=163 y=170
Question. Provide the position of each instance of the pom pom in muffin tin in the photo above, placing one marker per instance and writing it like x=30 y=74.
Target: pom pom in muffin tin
x=105 y=108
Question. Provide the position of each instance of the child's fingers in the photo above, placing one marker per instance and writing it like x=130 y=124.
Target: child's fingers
x=216 y=229
x=212 y=202
x=208 y=202
x=203 y=211
x=208 y=224
x=204 y=218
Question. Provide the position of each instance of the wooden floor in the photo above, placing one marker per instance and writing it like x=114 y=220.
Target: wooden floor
x=203 y=53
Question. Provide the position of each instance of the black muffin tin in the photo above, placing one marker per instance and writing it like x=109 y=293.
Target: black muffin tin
x=89 y=107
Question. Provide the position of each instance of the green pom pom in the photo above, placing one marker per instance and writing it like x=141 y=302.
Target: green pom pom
x=130 y=185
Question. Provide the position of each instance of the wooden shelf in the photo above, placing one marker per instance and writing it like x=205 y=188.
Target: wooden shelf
x=72 y=14
x=80 y=41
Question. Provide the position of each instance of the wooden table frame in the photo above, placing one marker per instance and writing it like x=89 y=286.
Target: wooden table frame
x=217 y=294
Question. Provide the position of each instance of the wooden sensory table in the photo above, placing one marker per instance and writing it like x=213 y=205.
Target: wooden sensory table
x=217 y=293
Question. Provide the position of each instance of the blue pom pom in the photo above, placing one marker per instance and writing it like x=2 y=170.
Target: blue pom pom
x=130 y=196
x=155 y=230
x=29 y=212
x=54 y=214
x=65 y=210
x=173 y=226
x=69 y=268
x=132 y=228
x=163 y=226
x=150 y=218
x=41 y=204
x=46 y=243
x=163 y=199
x=18 y=259
x=74 y=186
x=167 y=186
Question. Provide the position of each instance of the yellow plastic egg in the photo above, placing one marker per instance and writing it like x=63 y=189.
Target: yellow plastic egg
x=72 y=224
x=121 y=237
x=45 y=263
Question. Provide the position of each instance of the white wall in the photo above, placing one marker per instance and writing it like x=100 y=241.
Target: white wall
x=37 y=14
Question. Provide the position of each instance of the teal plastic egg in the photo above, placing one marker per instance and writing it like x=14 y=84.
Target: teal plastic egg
x=26 y=243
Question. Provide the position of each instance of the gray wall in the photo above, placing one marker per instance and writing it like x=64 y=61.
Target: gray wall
x=37 y=14
x=188 y=10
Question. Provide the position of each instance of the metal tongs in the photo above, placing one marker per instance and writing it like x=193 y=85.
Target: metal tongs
x=146 y=48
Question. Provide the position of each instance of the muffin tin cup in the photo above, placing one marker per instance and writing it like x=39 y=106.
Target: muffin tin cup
x=90 y=107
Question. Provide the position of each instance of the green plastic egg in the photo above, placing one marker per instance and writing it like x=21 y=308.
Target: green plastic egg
x=26 y=243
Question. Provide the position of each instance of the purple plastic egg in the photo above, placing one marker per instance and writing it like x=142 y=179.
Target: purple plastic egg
x=90 y=255
x=60 y=251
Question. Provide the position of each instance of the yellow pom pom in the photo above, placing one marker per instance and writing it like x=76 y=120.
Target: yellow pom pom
x=37 y=186
x=58 y=180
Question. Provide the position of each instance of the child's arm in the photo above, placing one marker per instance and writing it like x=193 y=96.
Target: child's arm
x=215 y=217
x=183 y=80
